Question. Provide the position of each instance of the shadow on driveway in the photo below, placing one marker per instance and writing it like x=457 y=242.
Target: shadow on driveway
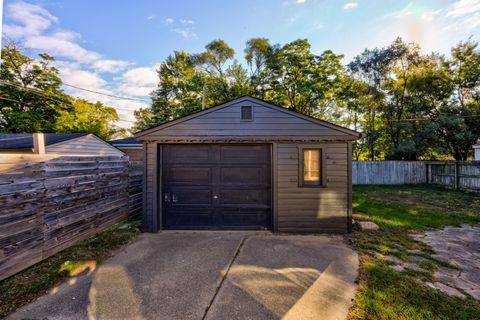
x=211 y=275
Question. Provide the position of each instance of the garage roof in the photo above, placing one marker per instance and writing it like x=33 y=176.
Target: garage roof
x=248 y=99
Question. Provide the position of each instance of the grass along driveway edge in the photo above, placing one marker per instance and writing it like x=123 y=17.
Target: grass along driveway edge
x=29 y=284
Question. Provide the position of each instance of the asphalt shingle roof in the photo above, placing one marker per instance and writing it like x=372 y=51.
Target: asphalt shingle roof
x=22 y=141
x=125 y=141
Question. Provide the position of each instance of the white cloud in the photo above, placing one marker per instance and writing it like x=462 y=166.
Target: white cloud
x=183 y=27
x=59 y=46
x=135 y=90
x=185 y=32
x=186 y=21
x=32 y=19
x=350 y=5
x=139 y=81
x=141 y=76
x=300 y=1
x=463 y=8
x=152 y=16
x=463 y=14
x=32 y=27
x=71 y=75
x=112 y=66
x=82 y=78
x=37 y=29
x=63 y=44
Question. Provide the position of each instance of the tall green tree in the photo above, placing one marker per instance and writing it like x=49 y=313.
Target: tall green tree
x=89 y=117
x=30 y=92
x=459 y=121
x=302 y=81
x=372 y=67
x=290 y=75
x=144 y=119
x=179 y=90
x=258 y=54
x=188 y=80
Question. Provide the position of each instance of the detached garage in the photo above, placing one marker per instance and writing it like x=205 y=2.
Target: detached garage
x=247 y=165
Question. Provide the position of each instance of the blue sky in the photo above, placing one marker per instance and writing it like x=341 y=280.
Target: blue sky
x=115 y=46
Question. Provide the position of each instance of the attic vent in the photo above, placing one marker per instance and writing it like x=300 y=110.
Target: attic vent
x=247 y=113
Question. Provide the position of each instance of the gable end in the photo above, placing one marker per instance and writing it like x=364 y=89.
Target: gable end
x=247 y=116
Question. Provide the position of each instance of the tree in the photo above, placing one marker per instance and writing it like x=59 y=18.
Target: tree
x=30 y=93
x=184 y=79
x=89 y=117
x=179 y=90
x=258 y=53
x=144 y=119
x=372 y=67
x=355 y=99
x=459 y=121
x=409 y=105
x=290 y=76
x=302 y=81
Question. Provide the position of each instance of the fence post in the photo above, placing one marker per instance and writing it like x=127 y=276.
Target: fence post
x=456 y=175
x=428 y=172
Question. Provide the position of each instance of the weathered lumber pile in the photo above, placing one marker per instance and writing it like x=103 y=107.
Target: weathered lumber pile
x=48 y=204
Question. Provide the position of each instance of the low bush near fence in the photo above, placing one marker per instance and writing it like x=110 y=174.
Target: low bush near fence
x=50 y=203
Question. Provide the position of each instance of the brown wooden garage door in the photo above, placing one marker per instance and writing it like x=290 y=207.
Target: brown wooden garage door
x=213 y=186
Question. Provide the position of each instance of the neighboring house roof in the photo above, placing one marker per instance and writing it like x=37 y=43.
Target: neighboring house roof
x=254 y=100
x=24 y=141
x=126 y=142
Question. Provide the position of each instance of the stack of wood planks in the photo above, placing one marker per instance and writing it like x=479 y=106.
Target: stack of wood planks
x=49 y=203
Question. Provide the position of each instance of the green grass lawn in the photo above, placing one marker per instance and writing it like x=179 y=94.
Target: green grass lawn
x=399 y=210
x=35 y=281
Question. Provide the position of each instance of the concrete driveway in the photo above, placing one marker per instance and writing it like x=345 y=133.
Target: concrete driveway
x=211 y=275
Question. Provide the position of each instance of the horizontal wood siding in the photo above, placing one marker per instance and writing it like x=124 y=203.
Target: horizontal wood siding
x=307 y=209
x=49 y=204
x=149 y=219
x=85 y=145
x=227 y=122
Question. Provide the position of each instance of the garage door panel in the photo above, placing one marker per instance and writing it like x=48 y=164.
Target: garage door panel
x=194 y=175
x=245 y=219
x=216 y=186
x=242 y=175
x=186 y=154
x=191 y=196
x=245 y=197
x=188 y=218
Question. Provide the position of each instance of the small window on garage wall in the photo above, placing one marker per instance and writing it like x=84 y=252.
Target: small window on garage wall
x=246 y=113
x=311 y=166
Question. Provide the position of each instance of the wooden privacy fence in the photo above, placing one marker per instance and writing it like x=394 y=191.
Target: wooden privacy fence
x=463 y=175
x=388 y=172
x=48 y=204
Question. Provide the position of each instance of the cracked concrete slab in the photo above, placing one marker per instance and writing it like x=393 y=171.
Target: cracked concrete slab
x=196 y=275
x=289 y=277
